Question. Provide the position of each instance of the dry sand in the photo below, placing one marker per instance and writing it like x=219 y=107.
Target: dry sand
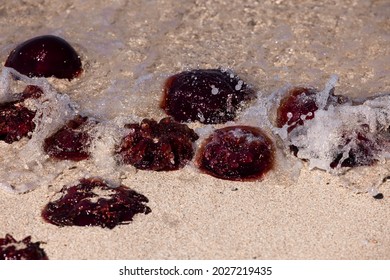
x=130 y=47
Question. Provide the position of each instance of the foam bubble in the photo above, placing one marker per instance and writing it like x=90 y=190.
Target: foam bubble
x=214 y=90
x=343 y=136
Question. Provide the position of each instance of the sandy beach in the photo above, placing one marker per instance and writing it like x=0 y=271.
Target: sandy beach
x=129 y=48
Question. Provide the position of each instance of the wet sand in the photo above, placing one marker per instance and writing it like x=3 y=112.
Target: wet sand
x=130 y=47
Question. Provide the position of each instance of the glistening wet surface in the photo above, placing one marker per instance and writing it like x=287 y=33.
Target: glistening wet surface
x=129 y=48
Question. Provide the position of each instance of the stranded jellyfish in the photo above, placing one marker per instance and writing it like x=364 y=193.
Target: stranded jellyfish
x=10 y=249
x=92 y=202
x=298 y=105
x=209 y=96
x=71 y=142
x=236 y=153
x=16 y=120
x=352 y=140
x=160 y=146
x=356 y=148
x=45 y=56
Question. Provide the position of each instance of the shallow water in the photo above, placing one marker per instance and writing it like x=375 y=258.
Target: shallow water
x=129 y=47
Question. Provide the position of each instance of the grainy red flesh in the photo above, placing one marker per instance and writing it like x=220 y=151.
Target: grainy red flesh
x=10 y=249
x=84 y=205
x=71 y=142
x=163 y=146
x=16 y=121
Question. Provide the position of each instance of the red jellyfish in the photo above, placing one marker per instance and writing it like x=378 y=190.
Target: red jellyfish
x=45 y=56
x=10 y=249
x=207 y=96
x=160 y=146
x=236 y=153
x=92 y=202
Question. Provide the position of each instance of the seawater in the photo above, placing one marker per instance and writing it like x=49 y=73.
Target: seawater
x=129 y=48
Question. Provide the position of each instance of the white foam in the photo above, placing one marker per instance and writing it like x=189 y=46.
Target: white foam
x=318 y=140
x=239 y=85
x=214 y=90
x=334 y=132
